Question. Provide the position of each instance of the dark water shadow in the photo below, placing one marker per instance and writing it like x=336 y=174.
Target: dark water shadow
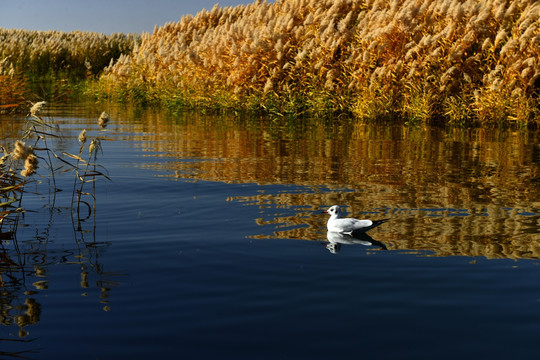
x=336 y=240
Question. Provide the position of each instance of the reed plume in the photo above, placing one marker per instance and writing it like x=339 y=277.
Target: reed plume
x=103 y=120
x=30 y=165
x=82 y=137
x=21 y=151
x=36 y=108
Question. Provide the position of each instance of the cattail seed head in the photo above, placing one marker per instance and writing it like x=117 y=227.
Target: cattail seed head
x=36 y=108
x=501 y=36
x=82 y=137
x=486 y=44
x=92 y=147
x=21 y=151
x=30 y=165
x=103 y=120
x=268 y=86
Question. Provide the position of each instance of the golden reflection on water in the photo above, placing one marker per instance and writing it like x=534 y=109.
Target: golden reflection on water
x=26 y=254
x=446 y=192
x=451 y=192
x=9 y=126
x=23 y=274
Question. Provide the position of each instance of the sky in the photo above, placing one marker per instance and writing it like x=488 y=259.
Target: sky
x=103 y=16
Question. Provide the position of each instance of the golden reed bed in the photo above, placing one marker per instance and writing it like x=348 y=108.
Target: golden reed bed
x=452 y=61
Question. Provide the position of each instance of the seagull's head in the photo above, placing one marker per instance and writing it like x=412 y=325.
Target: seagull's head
x=333 y=210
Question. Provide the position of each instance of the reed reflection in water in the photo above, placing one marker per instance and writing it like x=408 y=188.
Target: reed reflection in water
x=449 y=191
x=153 y=275
x=38 y=238
x=26 y=261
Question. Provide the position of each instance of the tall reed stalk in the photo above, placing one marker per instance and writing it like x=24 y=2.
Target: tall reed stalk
x=19 y=166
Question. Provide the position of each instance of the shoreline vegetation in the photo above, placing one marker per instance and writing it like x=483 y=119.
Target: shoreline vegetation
x=455 y=62
x=20 y=161
x=53 y=65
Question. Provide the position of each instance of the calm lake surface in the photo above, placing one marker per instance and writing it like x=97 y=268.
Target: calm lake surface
x=209 y=243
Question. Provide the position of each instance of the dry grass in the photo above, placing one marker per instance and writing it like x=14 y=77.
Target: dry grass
x=417 y=60
x=453 y=61
x=46 y=64
x=76 y=53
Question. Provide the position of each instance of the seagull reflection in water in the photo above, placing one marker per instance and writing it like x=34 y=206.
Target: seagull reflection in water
x=335 y=240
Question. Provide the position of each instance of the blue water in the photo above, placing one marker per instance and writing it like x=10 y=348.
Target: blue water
x=180 y=268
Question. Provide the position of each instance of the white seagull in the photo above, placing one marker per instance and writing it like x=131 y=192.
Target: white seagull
x=348 y=225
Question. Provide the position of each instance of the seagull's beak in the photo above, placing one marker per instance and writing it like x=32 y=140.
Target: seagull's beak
x=325 y=212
